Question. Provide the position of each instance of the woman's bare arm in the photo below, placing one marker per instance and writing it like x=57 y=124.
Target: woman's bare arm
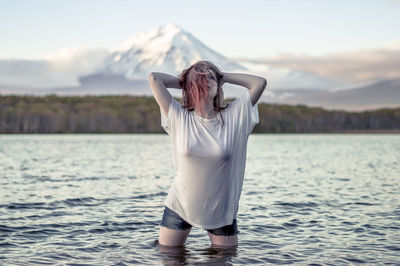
x=159 y=82
x=254 y=84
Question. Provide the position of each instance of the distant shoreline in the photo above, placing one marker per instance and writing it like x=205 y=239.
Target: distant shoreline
x=344 y=132
x=141 y=114
x=367 y=131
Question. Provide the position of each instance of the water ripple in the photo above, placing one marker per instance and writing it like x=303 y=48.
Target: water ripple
x=98 y=199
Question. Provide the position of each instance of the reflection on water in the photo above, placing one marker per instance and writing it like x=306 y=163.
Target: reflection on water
x=98 y=199
x=174 y=255
x=211 y=255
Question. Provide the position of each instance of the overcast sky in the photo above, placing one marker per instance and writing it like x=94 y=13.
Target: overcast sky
x=31 y=29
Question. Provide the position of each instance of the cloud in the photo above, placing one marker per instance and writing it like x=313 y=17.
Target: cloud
x=361 y=66
x=61 y=68
x=29 y=73
x=285 y=78
x=289 y=71
x=76 y=60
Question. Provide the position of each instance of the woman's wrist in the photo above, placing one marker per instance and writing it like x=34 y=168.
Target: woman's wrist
x=168 y=80
x=222 y=80
x=242 y=79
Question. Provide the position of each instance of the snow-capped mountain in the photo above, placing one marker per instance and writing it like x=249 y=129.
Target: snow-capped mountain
x=124 y=69
x=170 y=49
x=167 y=49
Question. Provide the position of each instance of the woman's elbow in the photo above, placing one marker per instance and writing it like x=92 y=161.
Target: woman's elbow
x=151 y=76
x=154 y=75
x=264 y=84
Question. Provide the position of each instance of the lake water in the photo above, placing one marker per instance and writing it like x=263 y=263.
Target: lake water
x=329 y=199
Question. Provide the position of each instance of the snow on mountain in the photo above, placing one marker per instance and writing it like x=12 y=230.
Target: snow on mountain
x=170 y=49
x=167 y=49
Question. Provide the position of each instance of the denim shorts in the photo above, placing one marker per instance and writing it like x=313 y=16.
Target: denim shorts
x=172 y=220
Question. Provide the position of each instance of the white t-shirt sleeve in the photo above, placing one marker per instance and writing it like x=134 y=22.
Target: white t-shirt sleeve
x=174 y=113
x=245 y=112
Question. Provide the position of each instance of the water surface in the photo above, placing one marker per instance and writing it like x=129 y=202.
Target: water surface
x=97 y=199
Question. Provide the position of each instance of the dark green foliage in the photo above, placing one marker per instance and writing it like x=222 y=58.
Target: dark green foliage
x=141 y=114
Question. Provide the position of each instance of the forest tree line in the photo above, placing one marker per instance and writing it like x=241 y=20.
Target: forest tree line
x=141 y=114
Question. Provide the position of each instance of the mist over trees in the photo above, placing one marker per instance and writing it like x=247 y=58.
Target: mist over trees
x=141 y=114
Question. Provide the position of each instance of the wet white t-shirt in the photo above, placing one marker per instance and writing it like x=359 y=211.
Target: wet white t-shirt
x=209 y=161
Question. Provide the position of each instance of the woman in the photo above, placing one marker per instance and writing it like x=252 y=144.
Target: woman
x=209 y=144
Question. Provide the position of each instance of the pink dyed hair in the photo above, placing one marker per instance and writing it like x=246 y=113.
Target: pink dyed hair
x=193 y=80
